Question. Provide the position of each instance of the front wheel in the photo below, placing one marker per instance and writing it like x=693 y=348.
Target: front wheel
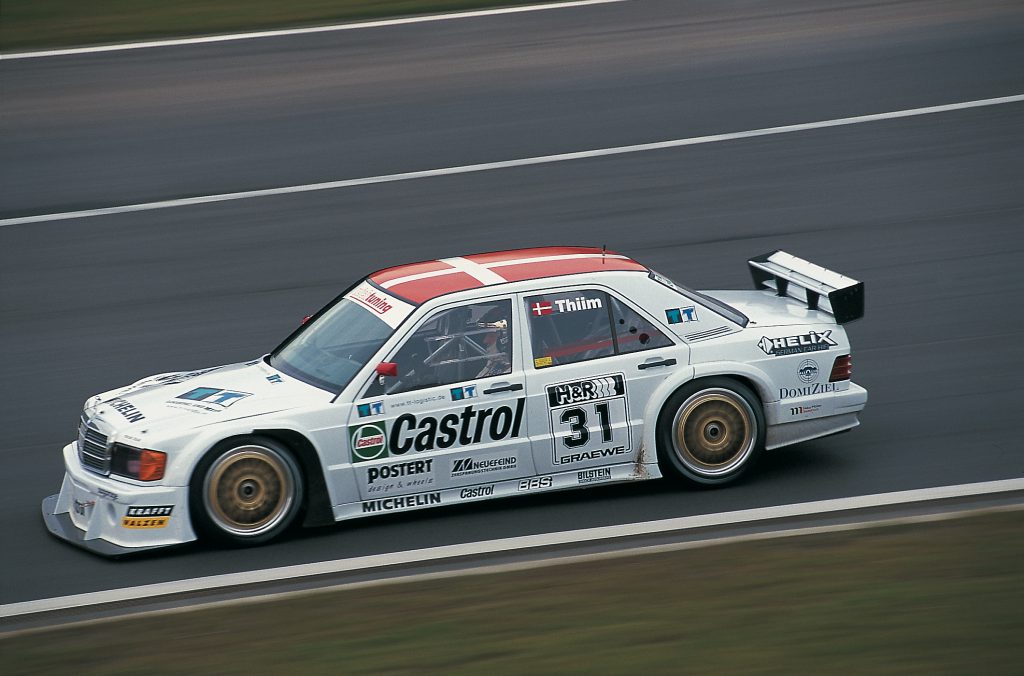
x=246 y=492
x=711 y=431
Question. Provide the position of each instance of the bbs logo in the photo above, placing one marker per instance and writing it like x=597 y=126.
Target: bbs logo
x=535 y=484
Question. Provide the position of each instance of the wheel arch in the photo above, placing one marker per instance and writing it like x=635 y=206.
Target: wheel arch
x=756 y=380
x=317 y=508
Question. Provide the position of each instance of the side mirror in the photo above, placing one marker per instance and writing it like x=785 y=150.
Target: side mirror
x=387 y=368
x=305 y=319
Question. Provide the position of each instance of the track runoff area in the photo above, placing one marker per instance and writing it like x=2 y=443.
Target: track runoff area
x=530 y=551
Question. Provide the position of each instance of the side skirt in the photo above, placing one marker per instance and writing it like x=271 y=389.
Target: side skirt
x=804 y=430
x=578 y=478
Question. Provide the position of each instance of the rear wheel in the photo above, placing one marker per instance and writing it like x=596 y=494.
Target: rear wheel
x=246 y=492
x=711 y=431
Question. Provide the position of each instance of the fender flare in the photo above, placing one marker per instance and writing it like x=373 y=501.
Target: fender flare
x=756 y=379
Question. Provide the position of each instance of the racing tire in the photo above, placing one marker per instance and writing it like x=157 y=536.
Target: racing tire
x=710 y=432
x=246 y=492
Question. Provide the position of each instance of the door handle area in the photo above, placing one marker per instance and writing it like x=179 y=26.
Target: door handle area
x=660 y=362
x=503 y=387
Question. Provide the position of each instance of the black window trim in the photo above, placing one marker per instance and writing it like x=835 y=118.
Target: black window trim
x=608 y=291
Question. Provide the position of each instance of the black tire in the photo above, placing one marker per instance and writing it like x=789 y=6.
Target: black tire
x=246 y=492
x=710 y=431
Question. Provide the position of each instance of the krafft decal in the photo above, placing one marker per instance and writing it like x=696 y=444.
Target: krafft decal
x=471 y=426
x=680 y=315
x=812 y=341
x=147 y=517
x=369 y=442
x=589 y=419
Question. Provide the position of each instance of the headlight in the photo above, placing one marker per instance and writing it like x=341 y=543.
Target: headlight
x=137 y=463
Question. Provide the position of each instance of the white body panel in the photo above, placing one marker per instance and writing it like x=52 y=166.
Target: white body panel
x=531 y=439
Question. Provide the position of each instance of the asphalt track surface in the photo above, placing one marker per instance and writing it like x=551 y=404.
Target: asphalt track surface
x=928 y=211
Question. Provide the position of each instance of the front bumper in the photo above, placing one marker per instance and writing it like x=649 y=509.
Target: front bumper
x=114 y=518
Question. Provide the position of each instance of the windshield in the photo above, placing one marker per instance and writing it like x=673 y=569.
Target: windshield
x=333 y=348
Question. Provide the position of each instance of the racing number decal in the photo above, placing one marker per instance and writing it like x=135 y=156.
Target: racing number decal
x=589 y=419
x=577 y=421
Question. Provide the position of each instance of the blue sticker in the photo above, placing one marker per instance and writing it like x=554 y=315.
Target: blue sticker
x=214 y=395
x=679 y=315
x=460 y=393
x=370 y=408
x=276 y=378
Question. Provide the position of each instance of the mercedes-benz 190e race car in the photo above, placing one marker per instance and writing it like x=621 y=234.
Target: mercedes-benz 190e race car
x=463 y=379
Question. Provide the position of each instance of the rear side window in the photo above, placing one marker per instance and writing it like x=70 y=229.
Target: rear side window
x=569 y=327
x=633 y=332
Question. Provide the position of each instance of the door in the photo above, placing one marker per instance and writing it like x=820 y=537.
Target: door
x=453 y=416
x=593 y=361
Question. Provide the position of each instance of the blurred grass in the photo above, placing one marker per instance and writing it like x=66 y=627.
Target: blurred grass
x=36 y=24
x=936 y=598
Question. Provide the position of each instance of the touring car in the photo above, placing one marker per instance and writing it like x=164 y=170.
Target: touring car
x=464 y=379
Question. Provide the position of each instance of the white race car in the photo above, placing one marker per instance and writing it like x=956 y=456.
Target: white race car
x=465 y=379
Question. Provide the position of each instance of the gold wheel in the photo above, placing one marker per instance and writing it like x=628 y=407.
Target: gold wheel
x=249 y=490
x=714 y=432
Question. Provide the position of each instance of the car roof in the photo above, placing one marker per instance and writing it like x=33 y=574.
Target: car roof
x=420 y=282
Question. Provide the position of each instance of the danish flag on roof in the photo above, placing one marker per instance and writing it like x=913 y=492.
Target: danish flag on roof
x=419 y=282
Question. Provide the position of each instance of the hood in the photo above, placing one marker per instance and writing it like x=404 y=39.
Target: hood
x=767 y=309
x=190 y=399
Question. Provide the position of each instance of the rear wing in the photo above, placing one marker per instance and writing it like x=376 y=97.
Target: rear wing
x=821 y=288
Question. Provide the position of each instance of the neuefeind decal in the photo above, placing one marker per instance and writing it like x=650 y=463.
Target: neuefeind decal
x=412 y=433
x=812 y=341
x=402 y=502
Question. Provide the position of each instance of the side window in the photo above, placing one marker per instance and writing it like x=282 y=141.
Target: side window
x=634 y=333
x=569 y=327
x=452 y=346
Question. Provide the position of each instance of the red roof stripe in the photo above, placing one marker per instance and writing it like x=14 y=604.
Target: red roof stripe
x=421 y=290
x=419 y=282
x=524 y=271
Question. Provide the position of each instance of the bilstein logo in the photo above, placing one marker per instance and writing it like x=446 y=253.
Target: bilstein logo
x=469 y=427
x=602 y=387
x=589 y=476
x=369 y=442
x=812 y=341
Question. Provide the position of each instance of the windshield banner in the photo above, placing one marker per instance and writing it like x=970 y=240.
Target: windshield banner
x=390 y=309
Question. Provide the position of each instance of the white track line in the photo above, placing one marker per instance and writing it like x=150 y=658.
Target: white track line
x=230 y=37
x=508 y=164
x=508 y=545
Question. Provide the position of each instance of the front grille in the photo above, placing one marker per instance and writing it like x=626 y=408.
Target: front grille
x=92 y=448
